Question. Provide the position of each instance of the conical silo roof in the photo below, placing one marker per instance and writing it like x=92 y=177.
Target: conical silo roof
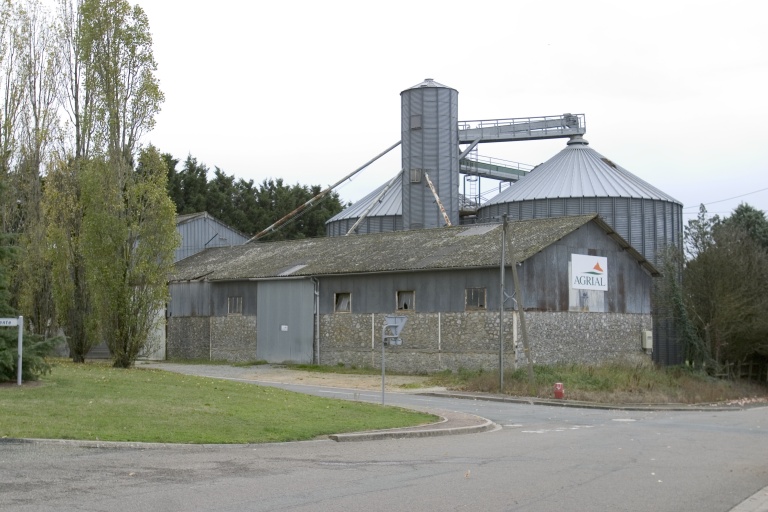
x=390 y=203
x=579 y=171
x=428 y=82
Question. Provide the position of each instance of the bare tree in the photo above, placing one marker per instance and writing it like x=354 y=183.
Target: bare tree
x=76 y=82
x=116 y=37
x=39 y=61
x=12 y=90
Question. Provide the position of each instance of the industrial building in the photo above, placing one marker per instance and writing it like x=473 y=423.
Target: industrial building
x=432 y=252
x=324 y=300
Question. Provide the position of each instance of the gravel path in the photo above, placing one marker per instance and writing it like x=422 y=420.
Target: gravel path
x=281 y=374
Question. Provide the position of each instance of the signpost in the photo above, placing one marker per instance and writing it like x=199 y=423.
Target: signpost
x=15 y=322
x=390 y=335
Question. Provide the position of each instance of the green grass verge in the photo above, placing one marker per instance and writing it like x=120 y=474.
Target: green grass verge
x=94 y=401
x=618 y=382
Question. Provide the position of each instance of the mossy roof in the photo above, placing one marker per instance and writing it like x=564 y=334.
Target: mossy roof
x=468 y=246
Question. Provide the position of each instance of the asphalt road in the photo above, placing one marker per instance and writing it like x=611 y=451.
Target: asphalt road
x=541 y=459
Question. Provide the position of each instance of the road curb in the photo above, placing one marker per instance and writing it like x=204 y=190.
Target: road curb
x=478 y=425
x=758 y=502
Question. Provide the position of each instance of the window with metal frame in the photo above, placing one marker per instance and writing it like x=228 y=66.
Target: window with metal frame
x=406 y=299
x=474 y=299
x=234 y=305
x=342 y=302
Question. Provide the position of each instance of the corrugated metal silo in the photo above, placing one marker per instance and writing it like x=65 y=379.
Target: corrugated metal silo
x=381 y=213
x=430 y=146
x=579 y=180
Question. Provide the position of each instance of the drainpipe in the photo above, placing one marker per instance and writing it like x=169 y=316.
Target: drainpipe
x=317 y=319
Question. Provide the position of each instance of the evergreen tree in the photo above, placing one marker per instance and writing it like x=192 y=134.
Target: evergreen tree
x=724 y=281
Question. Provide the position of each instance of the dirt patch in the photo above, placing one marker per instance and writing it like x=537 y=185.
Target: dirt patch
x=336 y=380
x=284 y=375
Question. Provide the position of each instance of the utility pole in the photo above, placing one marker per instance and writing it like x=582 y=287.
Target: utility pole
x=526 y=346
x=502 y=299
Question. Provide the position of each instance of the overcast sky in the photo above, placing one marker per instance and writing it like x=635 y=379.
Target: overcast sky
x=307 y=91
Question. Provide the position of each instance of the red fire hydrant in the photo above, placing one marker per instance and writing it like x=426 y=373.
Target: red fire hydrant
x=559 y=390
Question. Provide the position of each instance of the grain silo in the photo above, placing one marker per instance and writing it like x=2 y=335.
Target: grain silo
x=430 y=154
x=426 y=191
x=380 y=211
x=579 y=180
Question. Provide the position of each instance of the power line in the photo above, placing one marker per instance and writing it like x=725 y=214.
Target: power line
x=723 y=200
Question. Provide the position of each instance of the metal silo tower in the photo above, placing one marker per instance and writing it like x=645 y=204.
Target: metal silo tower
x=430 y=153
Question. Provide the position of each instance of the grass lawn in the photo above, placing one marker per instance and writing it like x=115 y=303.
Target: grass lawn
x=94 y=401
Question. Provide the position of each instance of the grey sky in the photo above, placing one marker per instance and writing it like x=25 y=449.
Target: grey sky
x=307 y=91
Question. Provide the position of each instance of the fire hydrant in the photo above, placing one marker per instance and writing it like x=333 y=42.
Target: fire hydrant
x=559 y=390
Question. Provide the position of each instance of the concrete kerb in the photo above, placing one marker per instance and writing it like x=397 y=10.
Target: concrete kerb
x=451 y=423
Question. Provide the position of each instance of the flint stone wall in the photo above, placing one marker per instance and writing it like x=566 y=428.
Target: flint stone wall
x=233 y=338
x=188 y=338
x=229 y=338
x=440 y=341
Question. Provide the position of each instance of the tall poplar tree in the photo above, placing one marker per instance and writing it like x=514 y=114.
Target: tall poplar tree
x=62 y=199
x=39 y=61
x=11 y=100
x=102 y=214
x=130 y=238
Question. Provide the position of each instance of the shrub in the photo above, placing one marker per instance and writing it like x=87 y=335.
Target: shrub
x=34 y=353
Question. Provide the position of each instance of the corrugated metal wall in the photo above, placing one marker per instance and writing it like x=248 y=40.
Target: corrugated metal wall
x=434 y=291
x=203 y=298
x=189 y=299
x=648 y=225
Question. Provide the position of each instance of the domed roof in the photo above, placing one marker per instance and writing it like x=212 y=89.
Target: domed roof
x=579 y=171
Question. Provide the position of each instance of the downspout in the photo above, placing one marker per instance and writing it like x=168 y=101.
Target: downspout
x=316 y=284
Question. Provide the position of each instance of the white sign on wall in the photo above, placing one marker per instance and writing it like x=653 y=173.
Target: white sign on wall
x=589 y=272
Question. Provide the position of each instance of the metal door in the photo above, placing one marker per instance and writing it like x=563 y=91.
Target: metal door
x=284 y=321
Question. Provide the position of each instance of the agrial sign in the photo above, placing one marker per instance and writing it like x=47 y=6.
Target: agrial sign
x=589 y=272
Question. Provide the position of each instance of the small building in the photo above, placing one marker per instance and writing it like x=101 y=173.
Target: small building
x=585 y=291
